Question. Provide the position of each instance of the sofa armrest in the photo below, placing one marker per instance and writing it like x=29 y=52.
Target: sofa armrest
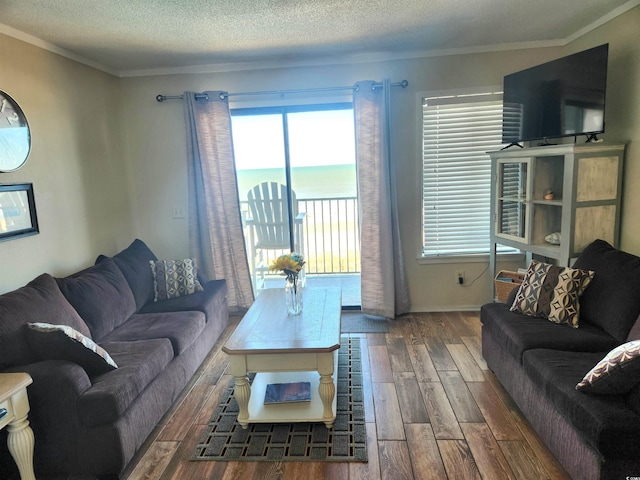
x=54 y=393
x=53 y=416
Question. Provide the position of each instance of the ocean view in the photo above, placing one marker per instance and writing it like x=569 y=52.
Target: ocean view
x=330 y=226
x=308 y=182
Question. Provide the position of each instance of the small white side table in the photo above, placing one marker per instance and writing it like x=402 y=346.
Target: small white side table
x=14 y=408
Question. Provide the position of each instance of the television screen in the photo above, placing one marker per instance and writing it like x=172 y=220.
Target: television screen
x=564 y=97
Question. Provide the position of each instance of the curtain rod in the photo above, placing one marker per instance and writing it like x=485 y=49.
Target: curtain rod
x=223 y=95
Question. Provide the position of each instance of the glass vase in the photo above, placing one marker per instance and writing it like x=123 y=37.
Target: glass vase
x=302 y=278
x=293 y=296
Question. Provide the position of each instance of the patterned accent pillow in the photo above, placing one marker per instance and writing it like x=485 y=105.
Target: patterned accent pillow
x=174 y=278
x=617 y=372
x=61 y=342
x=552 y=292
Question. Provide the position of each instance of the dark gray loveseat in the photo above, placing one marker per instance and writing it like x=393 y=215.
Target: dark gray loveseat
x=92 y=423
x=539 y=363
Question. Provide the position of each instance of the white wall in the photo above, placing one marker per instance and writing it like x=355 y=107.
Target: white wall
x=623 y=109
x=75 y=165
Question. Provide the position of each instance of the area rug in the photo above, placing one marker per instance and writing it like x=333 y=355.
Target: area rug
x=360 y=323
x=225 y=440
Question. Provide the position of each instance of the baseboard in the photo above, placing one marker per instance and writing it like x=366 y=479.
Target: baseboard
x=448 y=308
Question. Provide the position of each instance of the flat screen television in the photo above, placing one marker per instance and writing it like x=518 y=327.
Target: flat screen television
x=561 y=98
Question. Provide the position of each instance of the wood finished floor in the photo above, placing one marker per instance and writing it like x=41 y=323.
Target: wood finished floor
x=433 y=411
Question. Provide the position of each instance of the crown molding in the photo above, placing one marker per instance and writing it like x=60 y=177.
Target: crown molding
x=371 y=57
x=604 y=19
x=50 y=47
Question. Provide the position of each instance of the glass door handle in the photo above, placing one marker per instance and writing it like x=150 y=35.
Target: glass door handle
x=3 y=413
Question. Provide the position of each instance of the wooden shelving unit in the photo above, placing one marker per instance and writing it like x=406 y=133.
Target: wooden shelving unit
x=586 y=181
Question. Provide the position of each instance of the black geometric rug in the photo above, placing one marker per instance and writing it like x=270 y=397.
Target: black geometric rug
x=225 y=440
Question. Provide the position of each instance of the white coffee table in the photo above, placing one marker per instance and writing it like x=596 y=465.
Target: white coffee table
x=283 y=349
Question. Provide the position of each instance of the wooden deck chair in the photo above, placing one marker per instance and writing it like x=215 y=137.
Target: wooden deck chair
x=268 y=222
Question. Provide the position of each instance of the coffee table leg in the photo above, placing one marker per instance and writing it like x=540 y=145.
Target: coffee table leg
x=242 y=394
x=327 y=390
x=241 y=388
x=327 y=387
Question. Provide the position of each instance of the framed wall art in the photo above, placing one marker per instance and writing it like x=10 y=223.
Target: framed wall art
x=15 y=136
x=17 y=211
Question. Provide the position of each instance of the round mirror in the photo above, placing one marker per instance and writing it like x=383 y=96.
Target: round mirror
x=15 y=139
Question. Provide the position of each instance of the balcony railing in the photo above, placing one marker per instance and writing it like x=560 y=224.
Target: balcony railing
x=331 y=235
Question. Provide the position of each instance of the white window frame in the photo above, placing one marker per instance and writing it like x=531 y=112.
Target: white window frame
x=480 y=251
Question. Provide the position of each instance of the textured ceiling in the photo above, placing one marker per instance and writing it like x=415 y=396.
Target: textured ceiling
x=122 y=36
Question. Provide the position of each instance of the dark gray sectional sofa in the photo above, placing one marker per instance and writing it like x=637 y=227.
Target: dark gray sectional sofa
x=93 y=424
x=539 y=363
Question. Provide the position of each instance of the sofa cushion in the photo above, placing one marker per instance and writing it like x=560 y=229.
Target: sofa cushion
x=552 y=292
x=38 y=301
x=174 y=278
x=140 y=362
x=518 y=333
x=101 y=295
x=617 y=372
x=605 y=421
x=181 y=328
x=208 y=301
x=133 y=261
x=61 y=342
x=633 y=399
x=634 y=333
x=612 y=301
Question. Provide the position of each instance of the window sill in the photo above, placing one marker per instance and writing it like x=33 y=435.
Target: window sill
x=480 y=258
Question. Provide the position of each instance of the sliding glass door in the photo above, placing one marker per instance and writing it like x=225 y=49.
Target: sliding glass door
x=303 y=157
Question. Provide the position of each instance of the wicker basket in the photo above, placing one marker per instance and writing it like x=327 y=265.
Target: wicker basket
x=503 y=288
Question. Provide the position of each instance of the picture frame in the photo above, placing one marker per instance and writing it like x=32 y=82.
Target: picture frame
x=17 y=211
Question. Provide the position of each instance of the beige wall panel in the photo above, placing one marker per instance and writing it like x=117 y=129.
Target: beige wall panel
x=592 y=185
x=593 y=223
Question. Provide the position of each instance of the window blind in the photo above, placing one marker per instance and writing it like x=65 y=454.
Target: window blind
x=457 y=133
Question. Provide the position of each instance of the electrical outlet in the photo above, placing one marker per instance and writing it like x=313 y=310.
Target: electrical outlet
x=177 y=212
x=460 y=277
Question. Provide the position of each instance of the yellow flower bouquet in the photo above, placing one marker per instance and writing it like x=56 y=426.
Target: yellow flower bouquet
x=289 y=264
